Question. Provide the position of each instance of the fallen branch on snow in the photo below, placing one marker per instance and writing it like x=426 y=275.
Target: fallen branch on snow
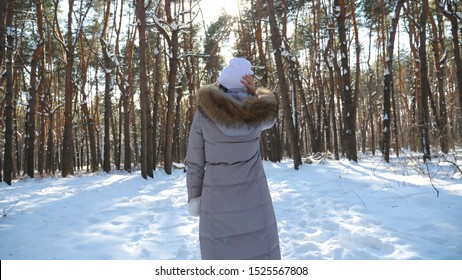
x=7 y=212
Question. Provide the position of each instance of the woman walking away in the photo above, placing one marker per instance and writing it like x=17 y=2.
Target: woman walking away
x=225 y=176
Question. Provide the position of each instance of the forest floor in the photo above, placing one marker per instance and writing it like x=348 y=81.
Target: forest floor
x=326 y=210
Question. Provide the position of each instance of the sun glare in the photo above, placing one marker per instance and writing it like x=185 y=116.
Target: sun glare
x=211 y=9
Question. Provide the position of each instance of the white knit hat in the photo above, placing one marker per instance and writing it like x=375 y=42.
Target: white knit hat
x=231 y=76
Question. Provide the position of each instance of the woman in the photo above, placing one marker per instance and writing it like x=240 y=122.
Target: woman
x=224 y=167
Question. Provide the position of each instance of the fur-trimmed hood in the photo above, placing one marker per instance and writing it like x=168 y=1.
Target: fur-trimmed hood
x=253 y=111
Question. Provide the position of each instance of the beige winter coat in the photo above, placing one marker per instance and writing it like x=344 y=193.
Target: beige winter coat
x=237 y=219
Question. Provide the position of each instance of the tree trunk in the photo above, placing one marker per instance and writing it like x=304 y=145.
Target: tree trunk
x=370 y=105
x=358 y=64
x=136 y=150
x=50 y=147
x=263 y=73
x=155 y=111
x=451 y=14
x=294 y=66
x=442 y=121
x=16 y=148
x=126 y=128
x=97 y=119
x=68 y=144
x=426 y=91
x=115 y=143
x=8 y=155
x=141 y=14
x=259 y=42
x=94 y=166
x=177 y=126
x=126 y=97
x=107 y=91
x=329 y=58
x=31 y=111
x=88 y=117
x=46 y=81
x=33 y=92
x=150 y=151
x=349 y=110
x=173 y=69
x=416 y=83
x=283 y=88
x=388 y=83
x=3 y=14
x=124 y=78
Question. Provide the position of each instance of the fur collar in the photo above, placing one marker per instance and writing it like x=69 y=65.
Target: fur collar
x=224 y=110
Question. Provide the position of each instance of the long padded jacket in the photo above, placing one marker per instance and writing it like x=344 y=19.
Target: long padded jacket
x=224 y=166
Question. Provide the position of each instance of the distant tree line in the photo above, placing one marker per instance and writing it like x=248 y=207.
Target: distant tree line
x=89 y=85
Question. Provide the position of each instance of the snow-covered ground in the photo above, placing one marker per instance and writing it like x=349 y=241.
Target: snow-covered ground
x=326 y=210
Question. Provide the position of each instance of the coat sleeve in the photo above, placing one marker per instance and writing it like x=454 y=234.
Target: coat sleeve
x=268 y=125
x=195 y=158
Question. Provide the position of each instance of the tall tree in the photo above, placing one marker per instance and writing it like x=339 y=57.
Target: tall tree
x=3 y=9
x=423 y=120
x=10 y=37
x=68 y=144
x=415 y=90
x=3 y=13
x=33 y=92
x=283 y=88
x=349 y=110
x=440 y=61
x=107 y=89
x=452 y=13
x=329 y=58
x=357 y=65
x=156 y=100
x=144 y=91
x=88 y=118
x=172 y=38
x=32 y=109
x=69 y=96
x=46 y=81
x=124 y=78
x=388 y=82
x=298 y=89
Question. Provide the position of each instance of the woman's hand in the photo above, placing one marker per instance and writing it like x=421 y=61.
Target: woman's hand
x=247 y=81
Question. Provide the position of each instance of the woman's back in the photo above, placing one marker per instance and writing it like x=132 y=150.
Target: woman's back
x=224 y=167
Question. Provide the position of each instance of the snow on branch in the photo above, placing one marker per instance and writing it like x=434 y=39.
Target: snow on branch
x=161 y=28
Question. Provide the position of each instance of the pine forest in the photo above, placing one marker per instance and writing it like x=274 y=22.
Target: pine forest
x=99 y=86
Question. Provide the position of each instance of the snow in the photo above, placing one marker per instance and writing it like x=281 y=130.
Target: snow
x=387 y=73
x=10 y=31
x=326 y=210
x=174 y=26
x=330 y=63
x=285 y=54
